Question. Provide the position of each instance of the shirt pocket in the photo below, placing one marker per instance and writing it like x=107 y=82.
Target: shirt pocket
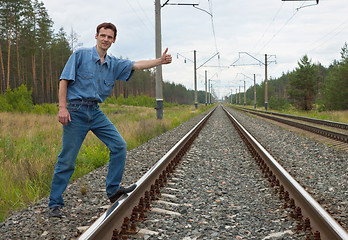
x=84 y=82
x=107 y=87
x=85 y=74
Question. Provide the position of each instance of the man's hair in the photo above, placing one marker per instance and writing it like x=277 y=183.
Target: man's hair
x=107 y=26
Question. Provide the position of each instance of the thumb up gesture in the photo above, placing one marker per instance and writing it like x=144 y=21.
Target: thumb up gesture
x=166 y=58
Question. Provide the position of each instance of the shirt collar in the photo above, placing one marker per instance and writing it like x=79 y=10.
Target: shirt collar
x=96 y=58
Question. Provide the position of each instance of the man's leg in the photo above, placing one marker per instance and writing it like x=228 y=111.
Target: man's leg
x=105 y=130
x=73 y=135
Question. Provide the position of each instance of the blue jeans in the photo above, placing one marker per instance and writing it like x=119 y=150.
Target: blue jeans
x=83 y=119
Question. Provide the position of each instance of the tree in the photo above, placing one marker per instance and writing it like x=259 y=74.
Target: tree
x=44 y=38
x=73 y=38
x=302 y=89
x=8 y=13
x=59 y=53
x=335 y=88
x=30 y=53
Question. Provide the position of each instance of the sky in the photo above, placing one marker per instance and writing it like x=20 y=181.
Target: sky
x=230 y=37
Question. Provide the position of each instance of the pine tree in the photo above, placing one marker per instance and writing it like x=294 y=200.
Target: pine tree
x=303 y=80
x=335 y=88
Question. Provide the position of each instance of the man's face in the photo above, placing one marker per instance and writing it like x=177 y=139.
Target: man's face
x=105 y=38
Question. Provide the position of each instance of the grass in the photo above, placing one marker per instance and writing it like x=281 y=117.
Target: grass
x=30 y=143
x=27 y=142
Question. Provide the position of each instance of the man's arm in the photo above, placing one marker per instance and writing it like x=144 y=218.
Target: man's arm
x=63 y=114
x=146 y=64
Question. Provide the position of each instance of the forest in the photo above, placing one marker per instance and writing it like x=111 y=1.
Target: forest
x=32 y=54
x=309 y=86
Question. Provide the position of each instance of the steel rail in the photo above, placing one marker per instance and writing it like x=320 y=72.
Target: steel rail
x=323 y=132
x=320 y=220
x=104 y=227
x=306 y=119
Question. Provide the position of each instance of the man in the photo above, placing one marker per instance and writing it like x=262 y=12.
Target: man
x=87 y=79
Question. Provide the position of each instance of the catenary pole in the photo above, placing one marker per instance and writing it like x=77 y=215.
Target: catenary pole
x=254 y=91
x=158 y=5
x=236 y=97
x=195 y=77
x=209 y=96
x=264 y=63
x=206 y=73
x=266 y=91
x=239 y=100
x=244 y=94
x=159 y=88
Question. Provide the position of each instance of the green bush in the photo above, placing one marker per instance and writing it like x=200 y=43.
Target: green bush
x=46 y=109
x=146 y=101
x=175 y=122
x=89 y=158
x=278 y=104
x=4 y=106
x=142 y=101
x=19 y=99
x=95 y=156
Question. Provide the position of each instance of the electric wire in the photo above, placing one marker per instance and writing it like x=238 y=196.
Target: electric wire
x=146 y=15
x=212 y=23
x=151 y=28
x=213 y=29
x=334 y=31
x=284 y=25
x=269 y=25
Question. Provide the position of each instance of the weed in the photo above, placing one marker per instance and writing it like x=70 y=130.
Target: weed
x=83 y=188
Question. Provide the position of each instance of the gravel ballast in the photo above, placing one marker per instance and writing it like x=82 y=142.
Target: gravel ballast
x=220 y=192
x=319 y=168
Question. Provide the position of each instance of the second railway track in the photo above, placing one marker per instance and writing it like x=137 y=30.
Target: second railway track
x=333 y=133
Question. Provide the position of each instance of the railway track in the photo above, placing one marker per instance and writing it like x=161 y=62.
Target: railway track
x=305 y=207
x=116 y=221
x=333 y=133
x=305 y=119
x=120 y=219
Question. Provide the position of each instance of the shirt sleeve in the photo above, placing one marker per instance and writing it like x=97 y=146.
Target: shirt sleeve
x=124 y=69
x=69 y=71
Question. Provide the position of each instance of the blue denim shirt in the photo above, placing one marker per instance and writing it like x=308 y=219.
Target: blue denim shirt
x=88 y=79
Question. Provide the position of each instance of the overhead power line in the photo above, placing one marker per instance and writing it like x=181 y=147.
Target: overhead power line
x=333 y=33
x=286 y=23
x=273 y=20
x=148 y=24
x=210 y=13
x=212 y=23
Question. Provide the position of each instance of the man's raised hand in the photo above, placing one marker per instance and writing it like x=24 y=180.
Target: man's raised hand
x=166 y=58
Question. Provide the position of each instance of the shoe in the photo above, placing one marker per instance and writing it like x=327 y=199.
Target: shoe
x=122 y=190
x=55 y=212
